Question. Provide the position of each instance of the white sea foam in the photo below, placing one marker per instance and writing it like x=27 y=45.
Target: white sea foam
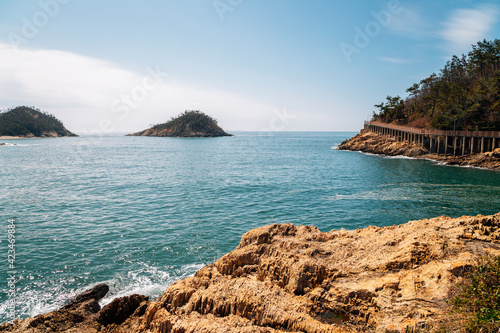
x=401 y=157
x=372 y=195
x=34 y=301
x=148 y=280
x=389 y=156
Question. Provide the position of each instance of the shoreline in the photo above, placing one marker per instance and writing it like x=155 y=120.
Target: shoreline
x=6 y=137
x=424 y=158
x=14 y=137
x=377 y=144
x=283 y=277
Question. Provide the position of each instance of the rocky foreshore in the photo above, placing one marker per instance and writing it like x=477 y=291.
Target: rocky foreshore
x=373 y=143
x=286 y=278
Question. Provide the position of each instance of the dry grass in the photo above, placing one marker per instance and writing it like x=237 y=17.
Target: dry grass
x=474 y=304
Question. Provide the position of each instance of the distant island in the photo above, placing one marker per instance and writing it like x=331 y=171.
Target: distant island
x=191 y=123
x=29 y=122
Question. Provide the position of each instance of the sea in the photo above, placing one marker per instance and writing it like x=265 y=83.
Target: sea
x=139 y=213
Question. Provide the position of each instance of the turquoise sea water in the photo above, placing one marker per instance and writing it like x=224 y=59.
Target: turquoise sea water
x=139 y=213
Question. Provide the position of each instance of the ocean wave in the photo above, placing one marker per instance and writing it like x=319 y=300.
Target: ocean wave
x=46 y=297
x=37 y=299
x=397 y=157
x=21 y=144
x=401 y=157
x=371 y=195
x=149 y=281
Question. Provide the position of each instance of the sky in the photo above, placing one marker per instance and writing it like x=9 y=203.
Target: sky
x=255 y=65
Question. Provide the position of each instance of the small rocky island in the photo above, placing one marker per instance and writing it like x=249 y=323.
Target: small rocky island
x=29 y=122
x=191 y=123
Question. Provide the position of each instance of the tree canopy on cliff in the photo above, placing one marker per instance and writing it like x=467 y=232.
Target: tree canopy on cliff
x=30 y=121
x=195 y=119
x=465 y=95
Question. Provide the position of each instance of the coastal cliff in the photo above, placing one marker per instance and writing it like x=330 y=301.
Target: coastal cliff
x=286 y=278
x=373 y=143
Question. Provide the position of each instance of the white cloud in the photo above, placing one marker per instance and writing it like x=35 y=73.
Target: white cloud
x=468 y=26
x=410 y=22
x=395 y=60
x=84 y=91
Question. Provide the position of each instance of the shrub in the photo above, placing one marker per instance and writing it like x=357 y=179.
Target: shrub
x=476 y=306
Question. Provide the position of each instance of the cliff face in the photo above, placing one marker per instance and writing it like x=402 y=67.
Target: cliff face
x=374 y=143
x=284 y=278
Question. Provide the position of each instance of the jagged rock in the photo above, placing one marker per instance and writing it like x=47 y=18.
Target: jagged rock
x=70 y=318
x=495 y=153
x=298 y=279
x=122 y=308
x=96 y=293
x=286 y=278
x=373 y=143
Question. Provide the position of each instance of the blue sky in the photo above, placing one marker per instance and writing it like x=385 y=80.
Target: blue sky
x=257 y=65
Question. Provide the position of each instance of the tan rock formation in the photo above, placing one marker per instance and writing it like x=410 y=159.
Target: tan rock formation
x=286 y=278
x=374 y=143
